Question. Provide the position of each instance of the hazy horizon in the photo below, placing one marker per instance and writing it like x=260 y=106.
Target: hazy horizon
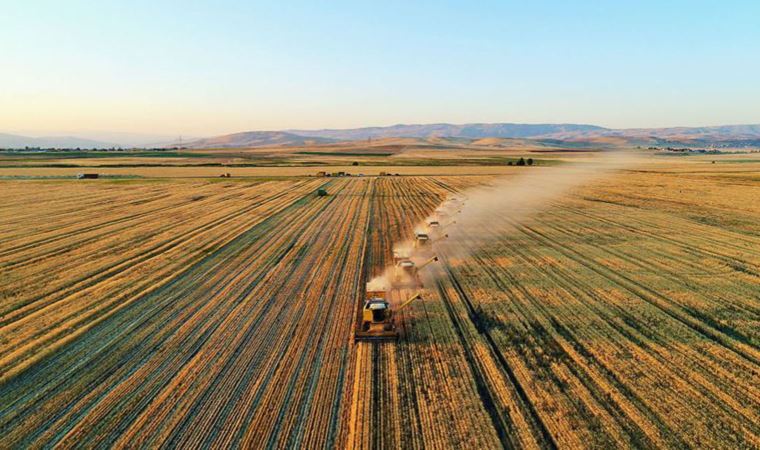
x=121 y=137
x=154 y=69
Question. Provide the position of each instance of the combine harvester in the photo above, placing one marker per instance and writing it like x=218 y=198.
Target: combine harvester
x=377 y=322
x=423 y=243
x=442 y=214
x=406 y=273
x=421 y=240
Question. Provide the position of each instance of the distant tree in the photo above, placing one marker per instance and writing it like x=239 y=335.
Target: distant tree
x=521 y=162
x=355 y=163
x=530 y=161
x=509 y=163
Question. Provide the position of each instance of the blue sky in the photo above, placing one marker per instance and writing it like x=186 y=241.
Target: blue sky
x=201 y=68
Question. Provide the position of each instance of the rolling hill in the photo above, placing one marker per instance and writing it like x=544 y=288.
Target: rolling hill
x=472 y=131
x=442 y=134
x=257 y=139
x=500 y=134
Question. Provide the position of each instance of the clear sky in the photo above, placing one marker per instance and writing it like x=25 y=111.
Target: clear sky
x=202 y=68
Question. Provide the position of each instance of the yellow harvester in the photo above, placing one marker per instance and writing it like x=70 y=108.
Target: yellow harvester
x=421 y=240
x=377 y=317
x=406 y=273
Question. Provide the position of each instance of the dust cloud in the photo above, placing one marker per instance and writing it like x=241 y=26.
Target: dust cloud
x=469 y=220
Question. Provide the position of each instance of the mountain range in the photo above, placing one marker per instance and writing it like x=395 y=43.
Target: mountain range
x=578 y=135
x=721 y=136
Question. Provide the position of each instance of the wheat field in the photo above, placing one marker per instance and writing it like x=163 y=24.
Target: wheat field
x=206 y=312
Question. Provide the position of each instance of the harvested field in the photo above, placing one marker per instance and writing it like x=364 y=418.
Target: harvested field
x=220 y=313
x=206 y=172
